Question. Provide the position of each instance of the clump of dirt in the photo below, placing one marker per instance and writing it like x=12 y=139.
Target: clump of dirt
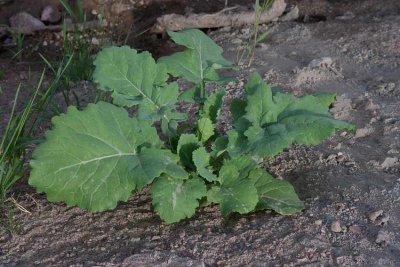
x=350 y=183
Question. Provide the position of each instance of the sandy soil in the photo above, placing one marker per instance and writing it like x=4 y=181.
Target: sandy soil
x=350 y=183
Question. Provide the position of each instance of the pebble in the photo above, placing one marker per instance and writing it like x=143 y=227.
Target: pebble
x=374 y=215
x=336 y=227
x=293 y=14
x=393 y=151
x=382 y=238
x=346 y=16
x=95 y=41
x=50 y=14
x=389 y=162
x=318 y=222
x=26 y=23
x=363 y=132
x=355 y=229
x=321 y=62
x=236 y=41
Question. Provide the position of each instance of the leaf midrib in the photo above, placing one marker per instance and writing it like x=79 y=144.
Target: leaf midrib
x=95 y=159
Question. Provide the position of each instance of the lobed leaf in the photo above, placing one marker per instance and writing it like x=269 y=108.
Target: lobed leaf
x=176 y=199
x=199 y=62
x=213 y=105
x=236 y=192
x=267 y=123
x=205 y=128
x=202 y=161
x=275 y=194
x=135 y=79
x=97 y=157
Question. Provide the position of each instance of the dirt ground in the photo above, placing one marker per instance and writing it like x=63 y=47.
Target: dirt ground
x=350 y=183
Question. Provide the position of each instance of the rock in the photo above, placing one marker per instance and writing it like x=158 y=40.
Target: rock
x=321 y=62
x=363 y=132
x=383 y=220
x=374 y=215
x=318 y=222
x=118 y=8
x=237 y=41
x=336 y=227
x=293 y=14
x=393 y=151
x=355 y=229
x=51 y=14
x=389 y=162
x=346 y=16
x=383 y=238
x=95 y=41
x=342 y=108
x=26 y=23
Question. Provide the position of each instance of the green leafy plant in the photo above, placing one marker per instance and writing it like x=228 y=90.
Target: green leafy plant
x=102 y=155
x=18 y=38
x=13 y=142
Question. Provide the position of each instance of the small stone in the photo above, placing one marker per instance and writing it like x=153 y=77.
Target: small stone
x=383 y=238
x=293 y=14
x=45 y=43
x=94 y=12
x=95 y=41
x=346 y=16
x=23 y=76
x=355 y=229
x=26 y=23
x=318 y=222
x=393 y=151
x=336 y=227
x=374 y=215
x=51 y=14
x=389 y=162
x=363 y=132
x=383 y=220
x=237 y=41
x=321 y=62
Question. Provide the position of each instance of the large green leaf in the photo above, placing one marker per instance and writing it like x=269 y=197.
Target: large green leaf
x=235 y=193
x=135 y=79
x=275 y=194
x=267 y=123
x=199 y=62
x=97 y=157
x=176 y=199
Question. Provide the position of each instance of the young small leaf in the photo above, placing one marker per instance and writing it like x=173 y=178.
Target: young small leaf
x=202 y=161
x=186 y=145
x=199 y=62
x=275 y=194
x=205 y=128
x=176 y=199
x=213 y=105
